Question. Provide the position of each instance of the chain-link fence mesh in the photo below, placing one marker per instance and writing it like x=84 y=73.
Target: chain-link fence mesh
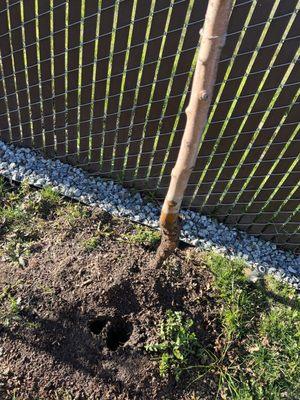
x=103 y=84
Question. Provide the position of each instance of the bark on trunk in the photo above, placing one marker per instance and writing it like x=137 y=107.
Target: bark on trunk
x=212 y=38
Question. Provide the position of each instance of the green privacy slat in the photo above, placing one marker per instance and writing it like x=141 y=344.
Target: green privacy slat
x=170 y=85
x=10 y=136
x=139 y=78
x=108 y=81
x=80 y=61
x=26 y=68
x=14 y=70
x=285 y=147
x=235 y=101
x=160 y=55
x=123 y=81
x=66 y=65
x=94 y=76
x=271 y=104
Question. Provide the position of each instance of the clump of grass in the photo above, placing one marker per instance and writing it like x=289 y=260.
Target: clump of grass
x=10 y=311
x=17 y=207
x=144 y=236
x=241 y=299
x=17 y=251
x=259 y=355
x=11 y=212
x=73 y=214
x=42 y=203
x=91 y=244
x=12 y=215
x=176 y=344
x=262 y=325
x=49 y=200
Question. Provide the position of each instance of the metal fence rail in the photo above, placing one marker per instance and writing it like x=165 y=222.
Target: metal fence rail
x=103 y=84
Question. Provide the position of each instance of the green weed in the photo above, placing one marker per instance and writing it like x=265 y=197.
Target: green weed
x=263 y=322
x=12 y=216
x=11 y=310
x=17 y=251
x=144 y=236
x=177 y=343
x=91 y=244
x=241 y=299
x=73 y=214
x=41 y=203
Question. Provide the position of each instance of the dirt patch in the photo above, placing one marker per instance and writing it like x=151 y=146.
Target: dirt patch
x=85 y=315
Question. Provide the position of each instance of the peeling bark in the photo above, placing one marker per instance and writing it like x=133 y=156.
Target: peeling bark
x=170 y=231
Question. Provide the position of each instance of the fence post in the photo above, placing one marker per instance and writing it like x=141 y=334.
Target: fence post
x=212 y=36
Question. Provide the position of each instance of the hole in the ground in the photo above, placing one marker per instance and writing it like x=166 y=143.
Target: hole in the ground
x=96 y=325
x=118 y=333
x=135 y=269
x=182 y=245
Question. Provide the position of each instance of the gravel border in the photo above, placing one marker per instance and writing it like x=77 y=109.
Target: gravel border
x=18 y=163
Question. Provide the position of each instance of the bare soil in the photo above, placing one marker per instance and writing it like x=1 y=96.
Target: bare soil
x=85 y=316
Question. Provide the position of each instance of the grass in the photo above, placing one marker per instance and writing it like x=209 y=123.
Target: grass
x=144 y=236
x=260 y=325
x=259 y=321
x=43 y=203
x=240 y=300
x=91 y=243
x=177 y=342
x=12 y=311
x=17 y=251
x=18 y=205
x=73 y=213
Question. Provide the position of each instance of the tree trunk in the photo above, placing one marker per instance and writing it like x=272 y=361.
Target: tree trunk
x=212 y=38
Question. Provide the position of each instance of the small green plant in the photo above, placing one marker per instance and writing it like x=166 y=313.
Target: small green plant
x=177 y=343
x=240 y=298
x=261 y=325
x=73 y=213
x=12 y=216
x=12 y=310
x=17 y=251
x=42 y=202
x=91 y=244
x=24 y=188
x=144 y=236
x=49 y=200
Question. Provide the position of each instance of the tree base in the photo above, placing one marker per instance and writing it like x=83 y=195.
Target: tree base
x=170 y=232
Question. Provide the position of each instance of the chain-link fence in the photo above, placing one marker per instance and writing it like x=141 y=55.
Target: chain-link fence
x=103 y=84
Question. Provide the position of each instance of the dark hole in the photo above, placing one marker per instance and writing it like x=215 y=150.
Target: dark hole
x=118 y=334
x=97 y=324
x=182 y=245
x=135 y=269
